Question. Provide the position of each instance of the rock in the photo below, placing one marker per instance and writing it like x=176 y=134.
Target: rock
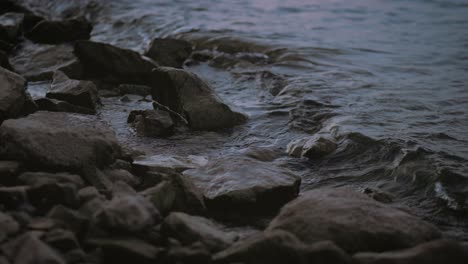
x=12 y=94
x=112 y=64
x=5 y=47
x=263 y=153
x=238 y=183
x=189 y=96
x=9 y=171
x=12 y=198
x=44 y=140
x=55 y=32
x=352 y=220
x=127 y=212
x=312 y=148
x=4 y=62
x=39 y=62
x=29 y=249
x=77 y=92
x=4 y=260
x=10 y=26
x=434 y=252
x=38 y=178
x=123 y=251
x=166 y=164
x=190 y=229
x=69 y=219
x=134 y=89
x=41 y=224
x=62 y=240
x=193 y=254
x=271 y=82
x=8 y=226
x=46 y=195
x=115 y=175
x=169 y=52
x=88 y=193
x=152 y=123
x=53 y=105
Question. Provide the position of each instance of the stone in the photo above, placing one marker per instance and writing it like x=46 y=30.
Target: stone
x=29 y=249
x=142 y=90
x=76 y=92
x=62 y=240
x=169 y=52
x=12 y=94
x=88 y=193
x=12 y=198
x=69 y=219
x=55 y=32
x=5 y=47
x=262 y=153
x=46 y=195
x=10 y=26
x=189 y=229
x=434 y=252
x=352 y=220
x=8 y=226
x=189 y=96
x=152 y=123
x=192 y=254
x=9 y=171
x=271 y=82
x=53 y=105
x=45 y=140
x=4 y=260
x=166 y=164
x=123 y=251
x=38 y=62
x=115 y=175
x=4 y=62
x=38 y=178
x=238 y=183
x=312 y=148
x=106 y=62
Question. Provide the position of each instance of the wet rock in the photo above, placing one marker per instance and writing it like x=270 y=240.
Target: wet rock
x=54 y=32
x=9 y=171
x=45 y=140
x=112 y=64
x=169 y=52
x=8 y=226
x=309 y=115
x=5 y=47
x=189 y=229
x=115 y=175
x=38 y=178
x=435 y=252
x=12 y=94
x=123 y=251
x=45 y=196
x=77 y=92
x=134 y=89
x=53 y=105
x=127 y=212
x=69 y=218
x=239 y=183
x=62 y=240
x=175 y=193
x=263 y=153
x=152 y=123
x=191 y=254
x=10 y=26
x=29 y=249
x=352 y=220
x=312 y=148
x=165 y=164
x=189 y=96
x=271 y=82
x=88 y=193
x=4 y=62
x=12 y=198
x=378 y=195
x=39 y=62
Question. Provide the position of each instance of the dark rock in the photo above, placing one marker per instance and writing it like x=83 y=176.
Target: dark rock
x=11 y=6
x=59 y=140
x=69 y=218
x=312 y=148
x=352 y=220
x=238 y=183
x=5 y=47
x=10 y=26
x=88 y=193
x=77 y=92
x=45 y=196
x=189 y=96
x=38 y=178
x=8 y=226
x=29 y=249
x=176 y=193
x=39 y=62
x=53 y=105
x=152 y=123
x=112 y=64
x=54 y=32
x=134 y=89
x=62 y=240
x=41 y=224
x=9 y=171
x=12 y=94
x=4 y=62
x=271 y=82
x=13 y=197
x=263 y=153
x=169 y=52
x=4 y=260
x=166 y=164
x=192 y=254
x=115 y=175
x=189 y=229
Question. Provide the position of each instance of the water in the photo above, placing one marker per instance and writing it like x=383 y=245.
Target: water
x=387 y=79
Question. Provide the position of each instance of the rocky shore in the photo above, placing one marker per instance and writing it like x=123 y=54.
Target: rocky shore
x=70 y=192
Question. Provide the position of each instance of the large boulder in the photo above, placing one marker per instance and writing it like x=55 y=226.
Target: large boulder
x=239 y=183
x=106 y=62
x=10 y=26
x=188 y=95
x=12 y=94
x=54 y=32
x=434 y=252
x=169 y=52
x=56 y=140
x=77 y=92
x=352 y=220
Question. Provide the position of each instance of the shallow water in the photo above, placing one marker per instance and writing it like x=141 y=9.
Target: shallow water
x=387 y=79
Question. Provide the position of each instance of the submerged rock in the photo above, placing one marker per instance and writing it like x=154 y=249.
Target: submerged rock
x=239 y=183
x=13 y=97
x=152 y=123
x=169 y=52
x=53 y=105
x=186 y=94
x=10 y=26
x=54 y=32
x=352 y=220
x=312 y=148
x=59 y=140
